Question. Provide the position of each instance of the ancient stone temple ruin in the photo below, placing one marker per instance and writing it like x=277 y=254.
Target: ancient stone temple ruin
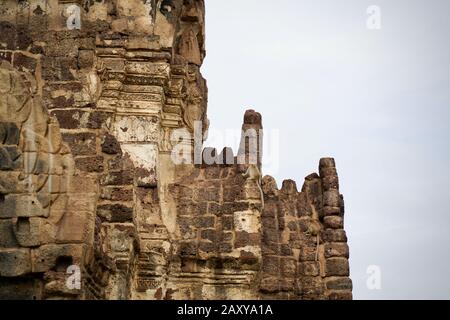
x=92 y=205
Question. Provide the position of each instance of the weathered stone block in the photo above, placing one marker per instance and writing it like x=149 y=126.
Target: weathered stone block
x=22 y=206
x=66 y=47
x=270 y=285
x=288 y=267
x=56 y=257
x=270 y=248
x=227 y=222
x=209 y=194
x=117 y=178
x=248 y=221
x=289 y=187
x=81 y=144
x=308 y=253
x=333 y=222
x=248 y=259
x=225 y=247
x=32 y=232
x=312 y=288
x=209 y=234
x=331 y=198
x=61 y=102
x=6 y=55
x=110 y=145
x=24 y=39
x=271 y=265
x=181 y=191
x=309 y=268
x=187 y=229
x=303 y=224
x=227 y=236
x=115 y=212
x=54 y=185
x=5 y=160
x=121 y=239
x=85 y=59
x=189 y=208
x=330 y=182
x=74 y=226
x=207 y=247
x=146 y=178
x=270 y=234
x=9 y=183
x=336 y=250
x=327 y=172
x=334 y=235
x=9 y=133
x=252 y=191
x=14 y=262
x=188 y=249
x=292 y=225
x=8 y=35
x=336 y=283
x=337 y=267
x=58 y=68
x=205 y=222
x=327 y=163
x=24 y=63
x=15 y=156
x=56 y=285
x=212 y=172
x=20 y=288
x=285 y=250
x=69 y=119
x=82 y=202
x=117 y=193
x=97 y=119
x=288 y=285
x=83 y=184
x=230 y=194
x=228 y=208
x=340 y=295
x=331 y=211
x=7 y=237
x=90 y=164
x=244 y=239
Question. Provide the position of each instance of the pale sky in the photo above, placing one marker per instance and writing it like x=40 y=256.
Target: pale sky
x=378 y=101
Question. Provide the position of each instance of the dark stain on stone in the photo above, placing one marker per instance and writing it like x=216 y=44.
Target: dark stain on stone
x=38 y=11
x=110 y=145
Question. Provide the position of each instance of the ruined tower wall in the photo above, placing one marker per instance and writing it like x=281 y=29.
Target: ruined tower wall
x=91 y=94
x=305 y=251
x=218 y=253
x=290 y=244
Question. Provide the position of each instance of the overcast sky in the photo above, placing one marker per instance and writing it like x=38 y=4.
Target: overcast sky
x=376 y=100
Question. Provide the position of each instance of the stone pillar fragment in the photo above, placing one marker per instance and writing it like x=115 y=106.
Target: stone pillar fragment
x=335 y=265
